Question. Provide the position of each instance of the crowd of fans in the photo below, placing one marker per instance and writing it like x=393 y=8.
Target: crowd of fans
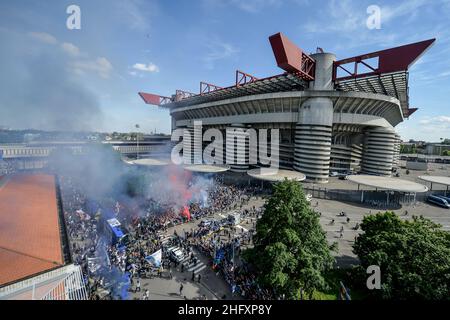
x=224 y=245
x=112 y=269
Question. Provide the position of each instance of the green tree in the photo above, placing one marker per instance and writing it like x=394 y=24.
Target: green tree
x=290 y=252
x=413 y=256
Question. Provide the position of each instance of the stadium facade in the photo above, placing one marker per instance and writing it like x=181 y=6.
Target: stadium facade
x=332 y=115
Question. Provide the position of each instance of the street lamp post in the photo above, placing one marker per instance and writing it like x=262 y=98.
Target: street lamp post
x=137 y=142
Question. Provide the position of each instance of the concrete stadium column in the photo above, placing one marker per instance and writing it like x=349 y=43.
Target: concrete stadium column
x=192 y=144
x=396 y=160
x=356 y=158
x=173 y=123
x=188 y=145
x=237 y=148
x=378 y=155
x=340 y=157
x=315 y=121
x=313 y=139
x=323 y=78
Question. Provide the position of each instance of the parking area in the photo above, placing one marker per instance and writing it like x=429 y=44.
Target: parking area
x=333 y=223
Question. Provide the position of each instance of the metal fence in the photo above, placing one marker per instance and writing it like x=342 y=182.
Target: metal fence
x=70 y=288
x=65 y=283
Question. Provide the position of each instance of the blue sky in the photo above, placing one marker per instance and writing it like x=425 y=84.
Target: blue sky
x=55 y=78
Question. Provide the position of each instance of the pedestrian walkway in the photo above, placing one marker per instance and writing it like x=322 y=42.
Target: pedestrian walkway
x=165 y=240
x=195 y=267
x=242 y=228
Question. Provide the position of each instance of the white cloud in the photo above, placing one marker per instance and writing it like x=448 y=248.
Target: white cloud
x=71 y=49
x=43 y=37
x=47 y=38
x=435 y=126
x=250 y=6
x=337 y=16
x=254 y=6
x=347 y=20
x=218 y=50
x=101 y=66
x=135 y=13
x=428 y=128
x=136 y=74
x=407 y=8
x=79 y=65
x=151 y=67
x=441 y=121
x=444 y=74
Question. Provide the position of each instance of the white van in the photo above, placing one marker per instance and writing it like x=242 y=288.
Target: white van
x=176 y=254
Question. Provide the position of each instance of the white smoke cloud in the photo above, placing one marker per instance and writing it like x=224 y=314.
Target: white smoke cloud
x=39 y=92
x=101 y=66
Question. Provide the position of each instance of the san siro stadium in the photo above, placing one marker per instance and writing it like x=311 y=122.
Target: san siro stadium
x=331 y=115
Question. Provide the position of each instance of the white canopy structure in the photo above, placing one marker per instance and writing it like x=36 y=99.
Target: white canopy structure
x=150 y=162
x=207 y=168
x=275 y=175
x=387 y=184
x=442 y=180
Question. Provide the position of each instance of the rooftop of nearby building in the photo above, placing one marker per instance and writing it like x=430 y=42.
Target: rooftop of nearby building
x=30 y=241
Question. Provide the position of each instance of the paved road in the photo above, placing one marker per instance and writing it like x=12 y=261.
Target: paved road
x=330 y=209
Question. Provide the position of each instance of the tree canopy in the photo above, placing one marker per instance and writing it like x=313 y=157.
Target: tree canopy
x=413 y=256
x=290 y=252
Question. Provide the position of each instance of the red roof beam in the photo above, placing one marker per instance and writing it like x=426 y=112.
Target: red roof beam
x=390 y=60
x=208 y=87
x=244 y=78
x=411 y=111
x=154 y=99
x=181 y=94
x=291 y=58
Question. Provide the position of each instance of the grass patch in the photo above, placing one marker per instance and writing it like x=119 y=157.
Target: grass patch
x=319 y=295
x=333 y=279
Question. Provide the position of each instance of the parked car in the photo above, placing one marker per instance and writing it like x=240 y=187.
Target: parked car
x=176 y=254
x=438 y=201
x=443 y=197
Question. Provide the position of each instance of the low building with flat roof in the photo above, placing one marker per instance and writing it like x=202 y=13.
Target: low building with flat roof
x=30 y=238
